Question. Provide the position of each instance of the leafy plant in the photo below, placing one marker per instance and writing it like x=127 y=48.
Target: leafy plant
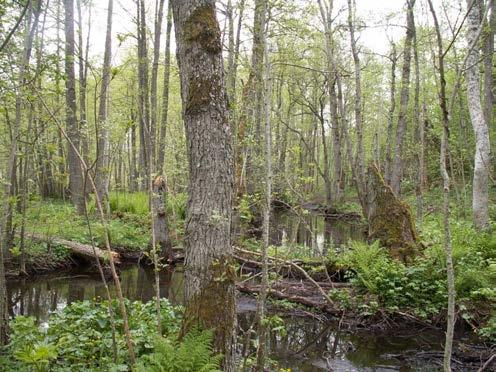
x=80 y=336
x=192 y=354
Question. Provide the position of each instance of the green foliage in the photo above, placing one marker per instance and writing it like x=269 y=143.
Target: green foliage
x=245 y=212
x=417 y=288
x=80 y=336
x=489 y=329
x=54 y=218
x=420 y=288
x=135 y=203
x=193 y=354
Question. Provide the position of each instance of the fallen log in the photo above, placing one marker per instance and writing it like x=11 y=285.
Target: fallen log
x=307 y=301
x=79 y=249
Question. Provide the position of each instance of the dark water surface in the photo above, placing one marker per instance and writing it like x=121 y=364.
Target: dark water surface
x=309 y=345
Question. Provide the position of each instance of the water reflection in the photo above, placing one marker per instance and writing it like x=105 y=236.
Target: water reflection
x=313 y=230
x=43 y=295
x=309 y=345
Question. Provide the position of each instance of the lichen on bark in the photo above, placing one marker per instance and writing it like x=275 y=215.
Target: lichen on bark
x=390 y=219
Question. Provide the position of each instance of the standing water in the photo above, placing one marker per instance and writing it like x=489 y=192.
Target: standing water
x=309 y=344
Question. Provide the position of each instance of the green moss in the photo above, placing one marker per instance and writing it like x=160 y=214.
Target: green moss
x=213 y=307
x=199 y=94
x=202 y=27
x=390 y=219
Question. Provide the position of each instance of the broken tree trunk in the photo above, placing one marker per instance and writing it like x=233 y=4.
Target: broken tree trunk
x=162 y=237
x=79 y=249
x=389 y=218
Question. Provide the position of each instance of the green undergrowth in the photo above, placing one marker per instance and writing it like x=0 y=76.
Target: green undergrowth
x=79 y=338
x=420 y=288
x=59 y=219
x=128 y=225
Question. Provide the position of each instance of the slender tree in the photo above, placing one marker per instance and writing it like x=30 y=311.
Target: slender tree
x=446 y=188
x=75 y=173
x=102 y=175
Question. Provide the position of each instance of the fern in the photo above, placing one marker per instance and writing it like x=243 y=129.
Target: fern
x=193 y=354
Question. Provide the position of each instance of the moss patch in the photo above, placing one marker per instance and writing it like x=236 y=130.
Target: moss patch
x=202 y=27
x=199 y=94
x=390 y=219
x=213 y=307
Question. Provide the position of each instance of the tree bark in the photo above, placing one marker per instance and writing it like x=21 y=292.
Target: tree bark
x=397 y=170
x=75 y=173
x=392 y=108
x=102 y=175
x=165 y=95
x=488 y=51
x=143 y=96
x=209 y=274
x=360 y=156
x=154 y=80
x=480 y=188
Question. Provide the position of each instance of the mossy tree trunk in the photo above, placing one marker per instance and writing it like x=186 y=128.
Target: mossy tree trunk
x=209 y=273
x=390 y=219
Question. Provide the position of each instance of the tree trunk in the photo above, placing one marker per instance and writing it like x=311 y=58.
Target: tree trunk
x=75 y=173
x=83 y=73
x=158 y=202
x=143 y=97
x=397 y=170
x=102 y=175
x=488 y=51
x=450 y=321
x=360 y=156
x=392 y=107
x=165 y=94
x=154 y=80
x=262 y=327
x=480 y=189
x=209 y=274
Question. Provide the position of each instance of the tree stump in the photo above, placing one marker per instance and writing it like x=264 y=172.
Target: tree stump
x=390 y=219
x=162 y=237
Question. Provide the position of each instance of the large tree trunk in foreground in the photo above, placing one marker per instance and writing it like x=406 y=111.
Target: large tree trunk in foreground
x=209 y=274
x=390 y=219
x=480 y=190
x=75 y=173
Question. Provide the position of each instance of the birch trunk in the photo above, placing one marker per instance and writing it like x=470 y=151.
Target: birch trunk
x=480 y=187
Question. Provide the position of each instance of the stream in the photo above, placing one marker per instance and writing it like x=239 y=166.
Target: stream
x=310 y=344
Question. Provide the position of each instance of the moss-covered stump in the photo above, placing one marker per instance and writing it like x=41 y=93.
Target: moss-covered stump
x=390 y=219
